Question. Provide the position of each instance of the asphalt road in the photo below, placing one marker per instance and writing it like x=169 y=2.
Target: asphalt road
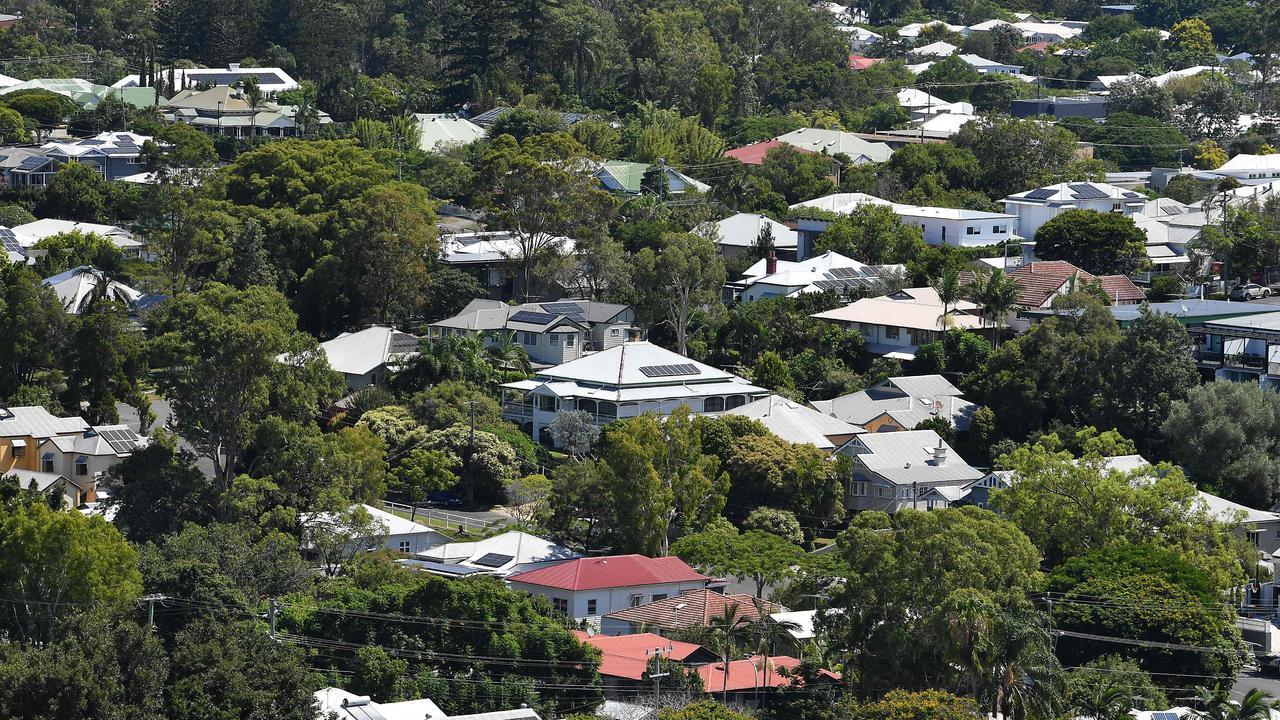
x=163 y=413
x=1253 y=679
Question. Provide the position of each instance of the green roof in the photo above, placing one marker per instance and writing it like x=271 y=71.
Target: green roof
x=630 y=175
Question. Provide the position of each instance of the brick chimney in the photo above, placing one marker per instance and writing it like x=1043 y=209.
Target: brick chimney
x=771 y=265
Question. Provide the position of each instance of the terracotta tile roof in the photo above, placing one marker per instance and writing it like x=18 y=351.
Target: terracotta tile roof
x=749 y=674
x=626 y=656
x=754 y=153
x=1041 y=280
x=695 y=608
x=862 y=62
x=609 y=572
x=1035 y=47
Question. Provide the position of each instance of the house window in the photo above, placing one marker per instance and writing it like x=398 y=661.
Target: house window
x=713 y=404
x=858 y=488
x=970 y=230
x=546 y=402
x=404 y=546
x=1116 y=207
x=560 y=605
x=998 y=229
x=568 y=340
x=659 y=596
x=591 y=607
x=20 y=448
x=884 y=492
x=528 y=338
x=891 y=332
x=82 y=467
x=137 y=161
x=637 y=600
x=46 y=463
x=614 y=332
x=1254 y=537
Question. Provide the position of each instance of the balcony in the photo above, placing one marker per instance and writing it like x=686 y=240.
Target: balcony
x=517 y=411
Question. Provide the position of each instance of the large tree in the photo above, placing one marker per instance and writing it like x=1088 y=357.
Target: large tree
x=1017 y=154
x=763 y=558
x=1099 y=243
x=1150 y=369
x=872 y=234
x=673 y=281
x=1227 y=437
x=389 y=232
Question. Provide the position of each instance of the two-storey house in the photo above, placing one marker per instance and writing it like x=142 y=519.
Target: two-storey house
x=896 y=470
x=551 y=333
x=596 y=586
x=34 y=440
x=1034 y=208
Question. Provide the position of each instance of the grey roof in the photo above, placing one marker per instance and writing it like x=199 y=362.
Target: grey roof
x=796 y=423
x=35 y=421
x=909 y=400
x=905 y=457
x=1266 y=321
x=482 y=314
x=1190 y=309
x=923 y=385
x=487 y=118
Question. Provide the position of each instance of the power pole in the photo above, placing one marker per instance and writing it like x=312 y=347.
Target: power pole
x=151 y=608
x=271 y=616
x=471 y=451
x=657 y=676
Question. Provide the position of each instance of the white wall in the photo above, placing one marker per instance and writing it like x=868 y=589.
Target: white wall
x=608 y=599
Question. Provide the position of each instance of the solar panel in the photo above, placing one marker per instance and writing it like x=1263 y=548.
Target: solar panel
x=563 y=308
x=122 y=440
x=10 y=241
x=534 y=318
x=1041 y=194
x=493 y=560
x=670 y=370
x=33 y=163
x=1085 y=191
x=829 y=284
x=403 y=343
x=1132 y=195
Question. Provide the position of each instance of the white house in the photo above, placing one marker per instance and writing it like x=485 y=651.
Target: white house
x=990 y=67
x=935 y=50
x=770 y=277
x=596 y=586
x=1251 y=169
x=368 y=356
x=834 y=142
x=912 y=30
x=402 y=535
x=29 y=234
x=551 y=333
x=501 y=555
x=940 y=226
x=1037 y=207
x=441 y=131
x=897 y=324
x=900 y=403
x=487 y=255
x=332 y=702
x=896 y=470
x=624 y=381
x=796 y=423
x=1034 y=32
x=271 y=80
x=740 y=231
x=75 y=286
x=859 y=38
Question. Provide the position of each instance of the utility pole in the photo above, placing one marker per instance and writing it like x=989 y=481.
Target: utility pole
x=915 y=495
x=471 y=451
x=271 y=616
x=657 y=675
x=151 y=608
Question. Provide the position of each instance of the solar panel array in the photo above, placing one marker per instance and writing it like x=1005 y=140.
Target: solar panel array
x=1085 y=191
x=654 y=371
x=572 y=310
x=10 y=241
x=493 y=560
x=1041 y=194
x=1132 y=195
x=122 y=440
x=533 y=318
x=403 y=343
x=33 y=163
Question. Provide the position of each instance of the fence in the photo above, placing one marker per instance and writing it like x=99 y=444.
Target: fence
x=444 y=518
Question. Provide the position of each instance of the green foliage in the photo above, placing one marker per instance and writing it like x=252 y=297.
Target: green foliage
x=1139 y=96
x=760 y=556
x=75 y=248
x=482 y=460
x=1123 y=560
x=35 y=324
x=797 y=175
x=701 y=710
x=872 y=234
x=675 y=279
x=782 y=523
x=1016 y=154
x=157 y=490
x=768 y=471
x=1111 y=673
x=920 y=705
x=46 y=108
x=13 y=215
x=951 y=79
x=1133 y=141
x=1227 y=438
x=75 y=192
x=1185 y=189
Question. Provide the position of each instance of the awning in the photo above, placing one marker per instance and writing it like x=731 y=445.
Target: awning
x=19 y=443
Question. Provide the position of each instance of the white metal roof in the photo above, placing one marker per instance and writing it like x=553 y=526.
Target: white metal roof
x=796 y=423
x=742 y=229
x=361 y=352
x=438 y=131
x=35 y=421
x=620 y=366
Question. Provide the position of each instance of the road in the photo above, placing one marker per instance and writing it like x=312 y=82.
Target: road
x=163 y=413
x=1252 y=679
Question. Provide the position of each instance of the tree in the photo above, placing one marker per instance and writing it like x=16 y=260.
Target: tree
x=1150 y=369
x=1227 y=438
x=1098 y=243
x=1214 y=110
x=65 y=251
x=951 y=79
x=105 y=361
x=797 y=175
x=481 y=459
x=920 y=705
x=53 y=562
x=1140 y=96
x=1017 y=154
x=760 y=556
x=581 y=504
x=35 y=323
x=771 y=373
x=527 y=498
x=157 y=490
x=1185 y=189
x=75 y=192
x=12 y=129
x=389 y=232
x=677 y=278
x=1209 y=155
x=1216 y=704
x=769 y=471
x=996 y=295
x=250 y=262
x=873 y=234
x=419 y=472
x=574 y=431
x=1191 y=42
x=782 y=523
x=239 y=668
x=1093 y=687
x=218 y=349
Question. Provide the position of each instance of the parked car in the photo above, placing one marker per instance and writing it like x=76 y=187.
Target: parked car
x=443 y=498
x=1250 y=291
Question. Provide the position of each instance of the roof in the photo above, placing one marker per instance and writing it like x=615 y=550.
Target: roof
x=41 y=481
x=349 y=706
x=748 y=674
x=627 y=656
x=833 y=142
x=114 y=144
x=694 y=609
x=75 y=286
x=1246 y=163
x=495 y=246
x=1070 y=192
x=939 y=48
x=365 y=351
x=484 y=314
x=629 y=364
x=754 y=153
x=1043 y=279
x=33 y=232
x=862 y=62
x=629 y=176
x=980 y=62
x=1191 y=308
x=596 y=573
x=803 y=619
x=34 y=421
x=917 y=313
x=270 y=79
x=500 y=552
x=828 y=271
x=437 y=131
x=908 y=400
x=906 y=457
x=487 y=118
x=914 y=98
x=100 y=441
x=742 y=229
x=796 y=423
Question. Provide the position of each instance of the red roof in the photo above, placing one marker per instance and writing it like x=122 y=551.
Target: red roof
x=754 y=153
x=749 y=674
x=1037 y=47
x=1041 y=280
x=693 y=608
x=862 y=62
x=610 y=572
x=626 y=656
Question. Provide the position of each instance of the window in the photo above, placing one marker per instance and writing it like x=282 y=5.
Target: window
x=614 y=332
x=46 y=464
x=568 y=340
x=970 y=230
x=884 y=492
x=713 y=404
x=659 y=596
x=560 y=605
x=404 y=546
x=528 y=338
x=858 y=488
x=591 y=607
x=998 y=229
x=82 y=467
x=637 y=600
x=137 y=160
x=1116 y=207
x=891 y=332
x=1254 y=537
x=546 y=402
x=19 y=448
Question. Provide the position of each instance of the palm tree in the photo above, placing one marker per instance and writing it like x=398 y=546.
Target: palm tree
x=254 y=96
x=1106 y=702
x=1026 y=676
x=728 y=632
x=996 y=294
x=970 y=617
x=770 y=631
x=947 y=285
x=1216 y=704
x=509 y=357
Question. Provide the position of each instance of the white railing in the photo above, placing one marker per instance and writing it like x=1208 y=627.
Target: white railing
x=443 y=517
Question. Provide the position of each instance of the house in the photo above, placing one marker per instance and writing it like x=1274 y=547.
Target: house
x=942 y=126
x=990 y=67
x=1103 y=83
x=935 y=50
x=796 y=423
x=895 y=470
x=487 y=118
x=912 y=30
x=897 y=324
x=74 y=492
x=1244 y=348
x=921 y=105
x=837 y=142
x=939 y=226
x=859 y=38
x=830 y=271
x=368 y=356
x=624 y=381
x=271 y=80
x=488 y=256
x=740 y=232
x=1047 y=31
x=227 y=111
x=1044 y=280
x=688 y=610
x=33 y=439
x=84 y=94
x=1251 y=169
x=440 y=131
x=332 y=702
x=596 y=586
x=1172 y=75
x=1037 y=207
x=755 y=154
x=624 y=659
x=627 y=178
x=29 y=234
x=862 y=62
x=112 y=155
x=500 y=556
x=1165 y=252
x=551 y=333
x=76 y=286
x=898 y=404
x=801 y=627
x=1093 y=107
x=401 y=534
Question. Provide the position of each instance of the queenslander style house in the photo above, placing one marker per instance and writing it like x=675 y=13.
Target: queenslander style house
x=551 y=333
x=624 y=381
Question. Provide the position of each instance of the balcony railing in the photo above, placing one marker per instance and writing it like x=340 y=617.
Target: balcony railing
x=518 y=410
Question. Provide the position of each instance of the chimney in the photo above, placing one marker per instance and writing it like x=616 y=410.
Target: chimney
x=771 y=265
x=233 y=67
x=939 y=454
